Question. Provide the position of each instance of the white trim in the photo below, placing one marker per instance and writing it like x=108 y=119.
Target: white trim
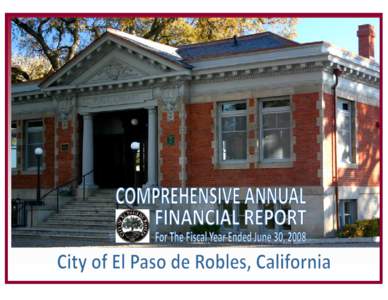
x=261 y=112
x=26 y=166
x=220 y=115
x=284 y=54
x=98 y=43
x=351 y=114
x=342 y=214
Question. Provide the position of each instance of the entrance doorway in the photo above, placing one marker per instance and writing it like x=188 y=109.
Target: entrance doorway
x=116 y=163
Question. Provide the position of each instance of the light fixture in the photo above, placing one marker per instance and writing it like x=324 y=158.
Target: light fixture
x=134 y=122
x=135 y=145
x=38 y=151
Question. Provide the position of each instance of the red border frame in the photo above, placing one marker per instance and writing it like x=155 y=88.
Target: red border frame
x=8 y=18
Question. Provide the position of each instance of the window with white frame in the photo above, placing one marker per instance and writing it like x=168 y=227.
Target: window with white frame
x=33 y=139
x=271 y=225
x=347 y=212
x=275 y=130
x=14 y=146
x=345 y=132
x=242 y=208
x=238 y=210
x=233 y=131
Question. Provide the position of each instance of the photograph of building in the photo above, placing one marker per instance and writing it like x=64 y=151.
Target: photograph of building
x=247 y=111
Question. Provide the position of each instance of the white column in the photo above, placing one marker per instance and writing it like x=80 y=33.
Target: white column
x=87 y=150
x=152 y=147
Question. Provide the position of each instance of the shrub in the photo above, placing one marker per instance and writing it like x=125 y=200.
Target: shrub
x=363 y=228
x=198 y=229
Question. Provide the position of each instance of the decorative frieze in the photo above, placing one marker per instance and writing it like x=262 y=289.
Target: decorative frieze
x=114 y=71
x=65 y=104
x=169 y=96
x=124 y=99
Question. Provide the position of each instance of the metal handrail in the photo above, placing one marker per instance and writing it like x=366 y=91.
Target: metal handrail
x=19 y=214
x=76 y=179
x=35 y=202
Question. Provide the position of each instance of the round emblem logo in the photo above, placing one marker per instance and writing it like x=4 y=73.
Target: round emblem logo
x=132 y=225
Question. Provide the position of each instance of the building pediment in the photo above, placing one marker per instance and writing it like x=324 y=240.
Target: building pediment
x=115 y=66
x=113 y=58
x=114 y=70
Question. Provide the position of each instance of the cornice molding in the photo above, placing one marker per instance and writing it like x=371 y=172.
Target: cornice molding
x=351 y=71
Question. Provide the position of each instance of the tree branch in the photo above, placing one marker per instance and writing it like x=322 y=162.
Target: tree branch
x=38 y=36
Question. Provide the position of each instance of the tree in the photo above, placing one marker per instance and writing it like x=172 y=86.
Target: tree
x=59 y=39
x=29 y=68
x=132 y=223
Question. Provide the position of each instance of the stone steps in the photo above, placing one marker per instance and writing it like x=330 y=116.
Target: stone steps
x=77 y=218
x=82 y=216
x=87 y=222
x=106 y=200
x=78 y=224
x=90 y=205
x=63 y=237
x=68 y=233
x=87 y=209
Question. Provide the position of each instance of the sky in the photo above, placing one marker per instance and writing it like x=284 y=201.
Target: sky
x=341 y=32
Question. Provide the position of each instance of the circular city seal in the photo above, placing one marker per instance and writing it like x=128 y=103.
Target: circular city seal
x=132 y=225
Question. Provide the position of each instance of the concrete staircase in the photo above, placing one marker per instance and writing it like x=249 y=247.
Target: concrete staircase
x=78 y=223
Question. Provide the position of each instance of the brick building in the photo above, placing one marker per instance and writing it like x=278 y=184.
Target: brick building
x=255 y=110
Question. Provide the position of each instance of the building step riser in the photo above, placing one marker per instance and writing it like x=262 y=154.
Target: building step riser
x=58 y=242
x=85 y=210
x=102 y=217
x=72 y=218
x=69 y=237
x=97 y=200
x=78 y=226
x=91 y=204
x=53 y=223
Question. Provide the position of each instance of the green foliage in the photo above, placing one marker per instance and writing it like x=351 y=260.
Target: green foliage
x=200 y=229
x=58 y=40
x=132 y=223
x=179 y=31
x=364 y=228
x=29 y=68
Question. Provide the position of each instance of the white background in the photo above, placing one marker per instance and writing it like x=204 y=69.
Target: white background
x=181 y=291
x=42 y=264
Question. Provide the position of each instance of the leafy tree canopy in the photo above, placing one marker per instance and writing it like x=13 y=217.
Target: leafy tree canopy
x=57 y=40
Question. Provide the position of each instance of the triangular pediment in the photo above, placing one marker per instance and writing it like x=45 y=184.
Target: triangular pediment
x=111 y=58
x=115 y=70
x=114 y=66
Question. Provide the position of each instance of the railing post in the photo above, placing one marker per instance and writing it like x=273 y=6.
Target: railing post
x=57 y=200
x=24 y=214
x=83 y=187
x=32 y=215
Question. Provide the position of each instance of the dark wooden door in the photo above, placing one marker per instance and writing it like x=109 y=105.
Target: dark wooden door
x=110 y=158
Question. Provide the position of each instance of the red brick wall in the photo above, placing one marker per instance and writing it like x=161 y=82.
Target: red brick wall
x=20 y=180
x=169 y=154
x=202 y=172
x=367 y=172
x=65 y=158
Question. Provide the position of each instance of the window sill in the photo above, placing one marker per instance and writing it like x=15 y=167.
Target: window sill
x=270 y=165
x=232 y=165
x=258 y=165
